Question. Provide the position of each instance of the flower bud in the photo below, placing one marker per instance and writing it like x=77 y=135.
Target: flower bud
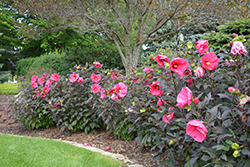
x=231 y=90
x=234 y=35
x=170 y=142
x=167 y=65
x=236 y=153
x=235 y=146
x=193 y=65
x=196 y=100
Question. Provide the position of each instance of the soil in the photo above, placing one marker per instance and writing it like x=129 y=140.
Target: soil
x=101 y=140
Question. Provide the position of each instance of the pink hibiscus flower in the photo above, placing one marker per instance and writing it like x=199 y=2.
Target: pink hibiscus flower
x=197 y=130
x=184 y=97
x=96 y=78
x=95 y=88
x=160 y=59
x=97 y=64
x=43 y=94
x=114 y=97
x=148 y=69
x=179 y=65
x=34 y=84
x=111 y=91
x=114 y=75
x=160 y=102
x=34 y=78
x=202 y=46
x=103 y=94
x=44 y=75
x=37 y=93
x=48 y=82
x=55 y=77
x=199 y=72
x=121 y=89
x=209 y=61
x=46 y=89
x=80 y=80
x=40 y=81
x=167 y=118
x=73 y=77
x=238 y=48
x=155 y=89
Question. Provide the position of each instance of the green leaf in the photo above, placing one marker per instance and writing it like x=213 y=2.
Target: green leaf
x=229 y=142
x=224 y=157
x=205 y=158
x=220 y=147
x=232 y=132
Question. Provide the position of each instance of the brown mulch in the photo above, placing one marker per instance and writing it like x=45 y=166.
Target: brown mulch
x=101 y=140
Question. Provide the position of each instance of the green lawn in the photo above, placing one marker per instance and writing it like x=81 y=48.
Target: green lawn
x=27 y=151
x=8 y=89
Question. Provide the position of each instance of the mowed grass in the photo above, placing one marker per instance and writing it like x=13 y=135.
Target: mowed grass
x=27 y=151
x=8 y=89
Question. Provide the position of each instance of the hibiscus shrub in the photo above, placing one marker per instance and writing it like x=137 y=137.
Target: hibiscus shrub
x=200 y=122
x=192 y=109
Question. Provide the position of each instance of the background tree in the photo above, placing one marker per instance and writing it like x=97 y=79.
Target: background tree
x=10 y=41
x=127 y=23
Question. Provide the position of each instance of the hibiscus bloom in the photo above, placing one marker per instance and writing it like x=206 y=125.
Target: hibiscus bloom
x=34 y=84
x=160 y=59
x=43 y=94
x=55 y=77
x=95 y=88
x=96 y=78
x=73 y=77
x=209 y=61
x=167 y=118
x=37 y=93
x=197 y=130
x=199 y=72
x=44 y=75
x=40 y=81
x=97 y=64
x=114 y=75
x=114 y=97
x=111 y=91
x=202 y=46
x=155 y=89
x=238 y=48
x=148 y=69
x=34 y=78
x=80 y=80
x=121 y=89
x=103 y=94
x=184 y=97
x=48 y=82
x=179 y=65
x=160 y=102
x=46 y=89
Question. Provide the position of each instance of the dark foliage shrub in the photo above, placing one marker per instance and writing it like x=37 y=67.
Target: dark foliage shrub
x=190 y=108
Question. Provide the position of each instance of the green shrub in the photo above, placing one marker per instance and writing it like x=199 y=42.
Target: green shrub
x=221 y=39
x=5 y=76
x=53 y=61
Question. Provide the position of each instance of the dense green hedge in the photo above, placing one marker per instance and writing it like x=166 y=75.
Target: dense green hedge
x=221 y=39
x=54 y=61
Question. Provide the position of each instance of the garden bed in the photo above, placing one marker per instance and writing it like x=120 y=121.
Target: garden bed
x=101 y=140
